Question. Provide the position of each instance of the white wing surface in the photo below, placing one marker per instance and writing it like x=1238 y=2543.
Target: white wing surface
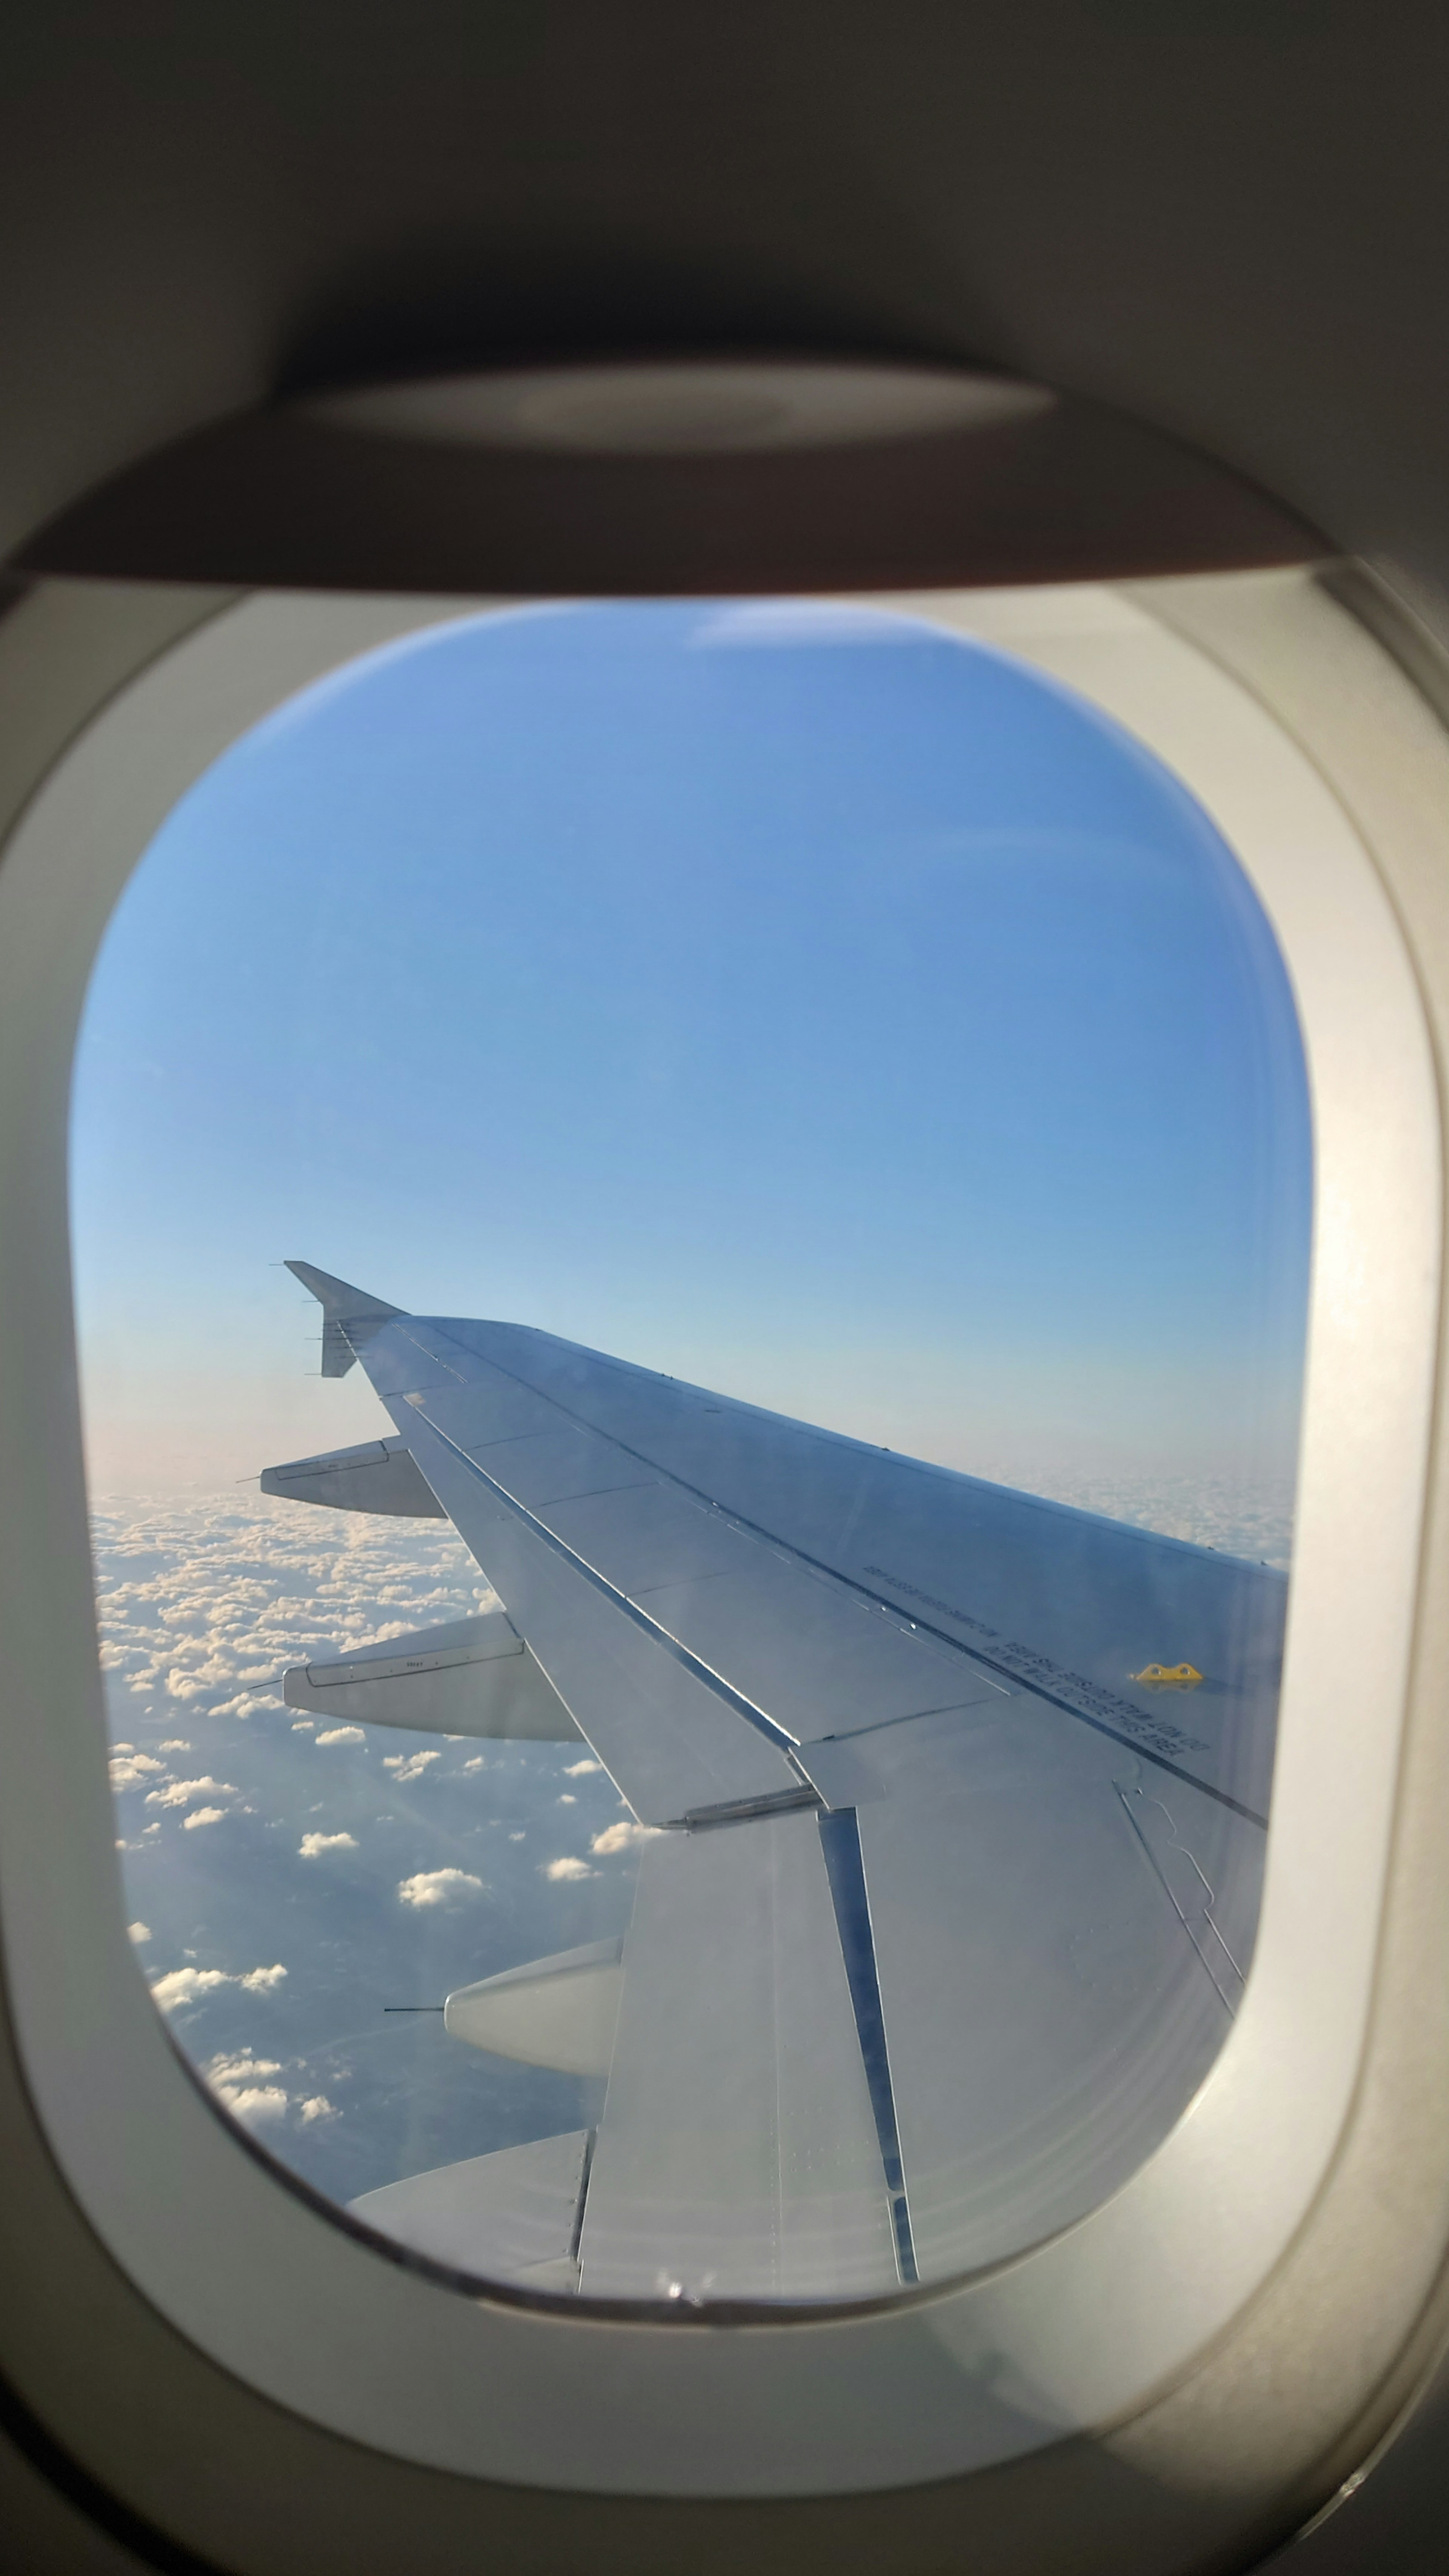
x=948 y=1902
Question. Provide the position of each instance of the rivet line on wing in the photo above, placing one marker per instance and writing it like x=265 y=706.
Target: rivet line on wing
x=702 y=1672
x=977 y=1656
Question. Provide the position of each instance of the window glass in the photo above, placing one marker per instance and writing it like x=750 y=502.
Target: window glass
x=721 y=1749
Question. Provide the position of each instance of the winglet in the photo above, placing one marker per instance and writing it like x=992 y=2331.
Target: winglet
x=349 y=1316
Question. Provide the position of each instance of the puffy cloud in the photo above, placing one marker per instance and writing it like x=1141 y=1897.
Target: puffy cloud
x=242 y=2068
x=243 y=2084
x=139 y=1932
x=256 y=1586
x=568 y=1799
x=130 y=1770
x=203 y=1816
x=567 y=1868
x=621 y=1837
x=199 y=1596
x=188 y=1985
x=253 y=2101
x=179 y=1793
x=407 y=1766
x=343 y=1735
x=312 y=1844
x=439 y=1887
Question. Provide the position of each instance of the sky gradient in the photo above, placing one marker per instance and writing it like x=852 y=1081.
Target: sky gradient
x=801 y=1001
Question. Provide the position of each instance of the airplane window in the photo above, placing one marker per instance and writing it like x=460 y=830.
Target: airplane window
x=713 y=1742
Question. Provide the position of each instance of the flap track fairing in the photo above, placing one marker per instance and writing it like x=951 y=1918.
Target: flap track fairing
x=471 y=1677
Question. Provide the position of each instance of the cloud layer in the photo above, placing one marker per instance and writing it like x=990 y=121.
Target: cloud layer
x=299 y=1922
x=285 y=1907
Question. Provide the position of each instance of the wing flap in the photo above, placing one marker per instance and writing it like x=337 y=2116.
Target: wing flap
x=1047 y=2015
x=737 y=2156
x=501 y=2216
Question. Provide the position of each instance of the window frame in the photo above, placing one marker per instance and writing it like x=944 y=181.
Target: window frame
x=1076 y=2334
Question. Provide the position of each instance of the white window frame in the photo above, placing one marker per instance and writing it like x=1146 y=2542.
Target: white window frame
x=1076 y=2334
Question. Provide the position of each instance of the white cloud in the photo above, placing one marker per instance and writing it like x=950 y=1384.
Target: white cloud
x=174 y=1744
x=621 y=1837
x=407 y=1766
x=128 y=1769
x=243 y=2068
x=343 y=1735
x=567 y=1868
x=303 y=1725
x=188 y=1985
x=214 y=1594
x=478 y=1762
x=439 y=1887
x=580 y=1770
x=179 y=1793
x=253 y=2101
x=139 y=1932
x=568 y=1799
x=312 y=1844
x=203 y=1816
x=317 y=2107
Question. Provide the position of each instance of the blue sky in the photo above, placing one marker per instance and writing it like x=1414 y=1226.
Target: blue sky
x=801 y=1001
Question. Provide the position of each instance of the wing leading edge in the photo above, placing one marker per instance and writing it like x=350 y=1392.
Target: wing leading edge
x=944 y=1909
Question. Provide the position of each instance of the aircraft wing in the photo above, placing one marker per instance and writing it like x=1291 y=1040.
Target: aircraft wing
x=944 y=1903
